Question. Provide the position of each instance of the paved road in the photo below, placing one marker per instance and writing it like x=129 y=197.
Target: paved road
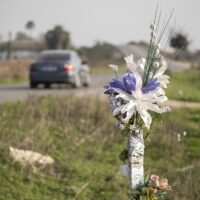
x=19 y=92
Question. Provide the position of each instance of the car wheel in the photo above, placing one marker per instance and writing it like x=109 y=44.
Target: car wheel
x=87 y=81
x=33 y=85
x=77 y=81
x=47 y=85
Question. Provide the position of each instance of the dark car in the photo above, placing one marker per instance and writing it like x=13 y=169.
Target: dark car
x=59 y=66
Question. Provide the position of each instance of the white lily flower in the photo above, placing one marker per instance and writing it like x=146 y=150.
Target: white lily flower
x=140 y=99
x=162 y=79
x=140 y=102
x=133 y=67
x=130 y=63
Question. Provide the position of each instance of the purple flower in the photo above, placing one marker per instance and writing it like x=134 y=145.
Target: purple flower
x=151 y=85
x=128 y=84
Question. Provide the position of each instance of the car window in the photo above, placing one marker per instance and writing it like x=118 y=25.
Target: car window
x=77 y=60
x=54 y=57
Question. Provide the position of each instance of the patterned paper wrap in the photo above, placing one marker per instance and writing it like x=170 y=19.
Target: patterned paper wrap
x=136 y=159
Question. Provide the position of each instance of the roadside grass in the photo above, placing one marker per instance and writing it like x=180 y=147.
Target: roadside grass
x=15 y=80
x=185 y=85
x=14 y=71
x=79 y=134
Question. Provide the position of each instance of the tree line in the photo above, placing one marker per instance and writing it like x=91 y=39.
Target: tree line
x=59 y=38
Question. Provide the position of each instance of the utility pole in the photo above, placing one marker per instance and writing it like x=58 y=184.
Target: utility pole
x=9 y=45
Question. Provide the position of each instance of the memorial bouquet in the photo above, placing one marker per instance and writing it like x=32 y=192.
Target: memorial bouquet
x=133 y=99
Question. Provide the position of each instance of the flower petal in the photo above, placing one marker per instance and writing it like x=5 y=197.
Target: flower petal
x=151 y=85
x=140 y=66
x=146 y=117
x=115 y=83
x=138 y=79
x=108 y=90
x=129 y=82
x=117 y=110
x=160 y=71
x=122 y=94
x=129 y=114
x=130 y=63
x=153 y=107
x=128 y=107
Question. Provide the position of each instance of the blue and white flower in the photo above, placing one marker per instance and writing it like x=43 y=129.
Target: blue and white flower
x=137 y=97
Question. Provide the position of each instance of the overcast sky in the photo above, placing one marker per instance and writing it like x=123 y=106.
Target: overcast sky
x=88 y=21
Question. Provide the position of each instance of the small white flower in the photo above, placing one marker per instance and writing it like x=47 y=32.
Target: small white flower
x=178 y=137
x=114 y=67
x=156 y=65
x=184 y=133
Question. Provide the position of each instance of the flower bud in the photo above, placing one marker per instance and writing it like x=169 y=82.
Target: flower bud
x=156 y=65
x=158 y=46
x=154 y=180
x=153 y=34
x=152 y=27
x=157 y=52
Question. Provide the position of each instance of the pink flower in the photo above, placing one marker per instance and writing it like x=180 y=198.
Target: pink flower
x=154 y=180
x=164 y=185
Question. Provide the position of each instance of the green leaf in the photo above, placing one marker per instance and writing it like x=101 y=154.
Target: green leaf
x=123 y=156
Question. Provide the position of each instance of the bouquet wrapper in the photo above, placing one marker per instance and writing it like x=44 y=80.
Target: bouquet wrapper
x=136 y=159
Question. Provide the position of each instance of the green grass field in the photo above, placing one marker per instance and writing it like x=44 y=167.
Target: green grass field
x=185 y=86
x=80 y=135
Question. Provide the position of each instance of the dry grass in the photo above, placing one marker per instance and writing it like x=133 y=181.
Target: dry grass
x=14 y=70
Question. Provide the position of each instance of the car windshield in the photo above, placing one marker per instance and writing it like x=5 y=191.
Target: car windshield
x=54 y=57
